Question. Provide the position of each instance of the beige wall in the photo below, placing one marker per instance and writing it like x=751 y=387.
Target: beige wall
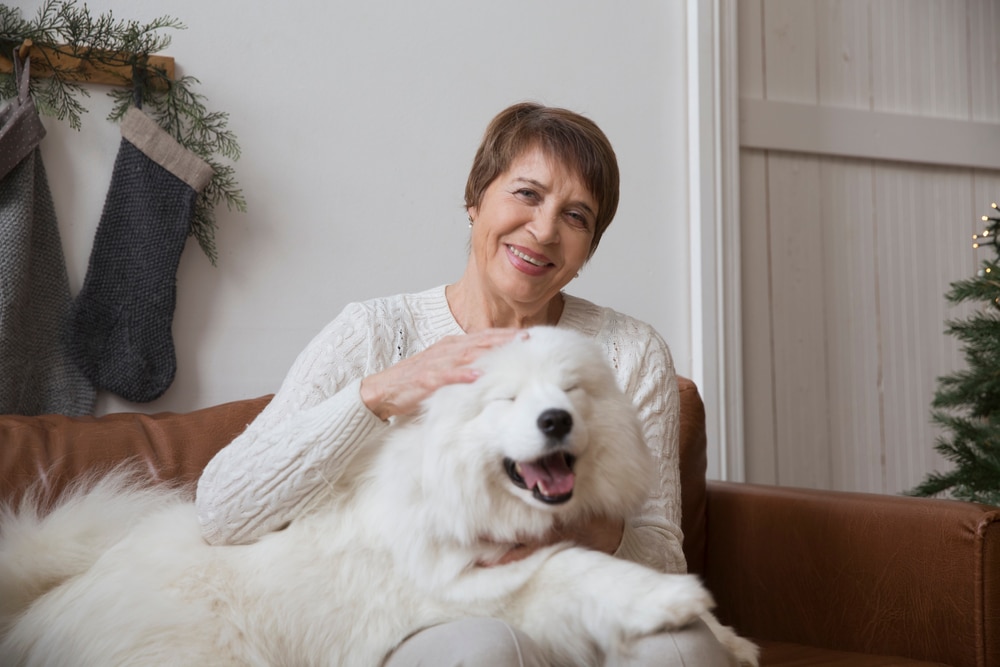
x=358 y=122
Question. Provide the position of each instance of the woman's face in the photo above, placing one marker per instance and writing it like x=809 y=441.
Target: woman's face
x=533 y=229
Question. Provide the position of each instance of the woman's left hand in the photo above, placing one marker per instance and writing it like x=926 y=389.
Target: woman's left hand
x=600 y=534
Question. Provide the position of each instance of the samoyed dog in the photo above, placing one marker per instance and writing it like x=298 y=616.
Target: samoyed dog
x=118 y=573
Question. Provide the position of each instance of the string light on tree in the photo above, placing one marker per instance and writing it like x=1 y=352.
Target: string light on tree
x=989 y=235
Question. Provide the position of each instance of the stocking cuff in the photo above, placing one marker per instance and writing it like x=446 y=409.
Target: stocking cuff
x=143 y=132
x=20 y=127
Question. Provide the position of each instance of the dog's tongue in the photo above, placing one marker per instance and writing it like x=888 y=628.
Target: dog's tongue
x=551 y=474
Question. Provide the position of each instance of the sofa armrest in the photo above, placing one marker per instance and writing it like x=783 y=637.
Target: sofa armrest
x=891 y=575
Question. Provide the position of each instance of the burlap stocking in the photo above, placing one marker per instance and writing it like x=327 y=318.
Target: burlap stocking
x=37 y=375
x=120 y=331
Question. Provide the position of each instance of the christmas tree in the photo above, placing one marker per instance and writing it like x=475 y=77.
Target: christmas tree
x=967 y=402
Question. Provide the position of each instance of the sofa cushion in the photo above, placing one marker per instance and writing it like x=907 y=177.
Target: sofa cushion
x=778 y=654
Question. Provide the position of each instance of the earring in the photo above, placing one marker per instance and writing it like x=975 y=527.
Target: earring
x=470 y=222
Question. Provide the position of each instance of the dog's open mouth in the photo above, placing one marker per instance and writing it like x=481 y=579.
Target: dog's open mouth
x=549 y=478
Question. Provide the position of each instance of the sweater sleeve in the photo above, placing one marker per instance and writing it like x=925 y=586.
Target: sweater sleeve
x=653 y=537
x=298 y=445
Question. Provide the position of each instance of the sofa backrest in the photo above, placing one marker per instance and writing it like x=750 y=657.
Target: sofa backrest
x=694 y=464
x=55 y=450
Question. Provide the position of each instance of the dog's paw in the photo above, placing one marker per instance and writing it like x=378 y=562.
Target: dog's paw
x=673 y=601
x=744 y=651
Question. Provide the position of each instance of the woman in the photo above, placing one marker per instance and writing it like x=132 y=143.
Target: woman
x=542 y=190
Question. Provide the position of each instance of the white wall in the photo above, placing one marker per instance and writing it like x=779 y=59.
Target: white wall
x=358 y=121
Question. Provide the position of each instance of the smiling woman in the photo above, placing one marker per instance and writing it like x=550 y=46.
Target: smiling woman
x=542 y=191
x=568 y=139
x=532 y=232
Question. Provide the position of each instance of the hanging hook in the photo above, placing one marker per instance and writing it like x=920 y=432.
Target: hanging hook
x=138 y=81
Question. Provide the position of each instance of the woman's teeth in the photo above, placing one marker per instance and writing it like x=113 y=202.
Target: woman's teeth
x=520 y=254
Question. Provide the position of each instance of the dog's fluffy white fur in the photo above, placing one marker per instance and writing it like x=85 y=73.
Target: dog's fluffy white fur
x=118 y=573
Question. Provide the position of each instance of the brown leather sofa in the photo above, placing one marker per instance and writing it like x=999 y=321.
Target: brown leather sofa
x=816 y=577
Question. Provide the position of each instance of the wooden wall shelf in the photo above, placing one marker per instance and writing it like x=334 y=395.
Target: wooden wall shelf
x=78 y=69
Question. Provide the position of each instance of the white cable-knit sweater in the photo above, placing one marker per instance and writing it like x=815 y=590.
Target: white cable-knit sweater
x=304 y=438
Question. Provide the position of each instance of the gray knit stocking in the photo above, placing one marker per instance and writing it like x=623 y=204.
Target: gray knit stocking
x=37 y=375
x=120 y=330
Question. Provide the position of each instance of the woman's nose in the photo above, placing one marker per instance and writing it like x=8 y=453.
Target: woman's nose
x=544 y=226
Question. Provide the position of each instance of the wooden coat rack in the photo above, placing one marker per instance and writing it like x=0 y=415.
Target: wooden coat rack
x=75 y=68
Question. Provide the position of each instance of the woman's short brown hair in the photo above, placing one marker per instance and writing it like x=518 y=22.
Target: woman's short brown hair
x=568 y=137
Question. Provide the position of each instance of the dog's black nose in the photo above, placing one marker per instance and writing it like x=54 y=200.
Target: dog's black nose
x=555 y=423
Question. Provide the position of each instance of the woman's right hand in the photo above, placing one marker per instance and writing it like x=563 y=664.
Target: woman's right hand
x=401 y=388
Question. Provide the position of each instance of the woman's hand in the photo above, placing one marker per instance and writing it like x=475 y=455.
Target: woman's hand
x=599 y=534
x=399 y=389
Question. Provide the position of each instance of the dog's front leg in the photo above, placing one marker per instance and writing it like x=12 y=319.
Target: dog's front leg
x=583 y=605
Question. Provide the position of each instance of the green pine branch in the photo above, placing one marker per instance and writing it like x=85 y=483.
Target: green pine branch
x=974 y=449
x=64 y=27
x=975 y=289
x=977 y=386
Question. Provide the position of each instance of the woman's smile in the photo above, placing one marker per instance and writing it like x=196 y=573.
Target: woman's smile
x=526 y=261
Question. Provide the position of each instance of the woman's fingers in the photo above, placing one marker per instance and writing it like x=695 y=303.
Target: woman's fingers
x=401 y=388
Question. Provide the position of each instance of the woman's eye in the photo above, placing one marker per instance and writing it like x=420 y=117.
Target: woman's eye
x=524 y=192
x=579 y=219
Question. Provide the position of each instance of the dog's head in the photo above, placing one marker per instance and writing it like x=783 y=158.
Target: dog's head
x=544 y=434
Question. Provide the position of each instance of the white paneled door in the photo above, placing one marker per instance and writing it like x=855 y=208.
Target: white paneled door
x=870 y=146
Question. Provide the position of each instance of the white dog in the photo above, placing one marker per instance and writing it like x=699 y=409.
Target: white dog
x=118 y=574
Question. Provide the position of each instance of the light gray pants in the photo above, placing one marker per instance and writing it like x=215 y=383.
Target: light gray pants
x=488 y=642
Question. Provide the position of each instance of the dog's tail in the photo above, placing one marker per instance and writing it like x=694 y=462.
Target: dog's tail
x=41 y=548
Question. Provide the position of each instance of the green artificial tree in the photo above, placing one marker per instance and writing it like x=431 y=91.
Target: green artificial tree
x=967 y=402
